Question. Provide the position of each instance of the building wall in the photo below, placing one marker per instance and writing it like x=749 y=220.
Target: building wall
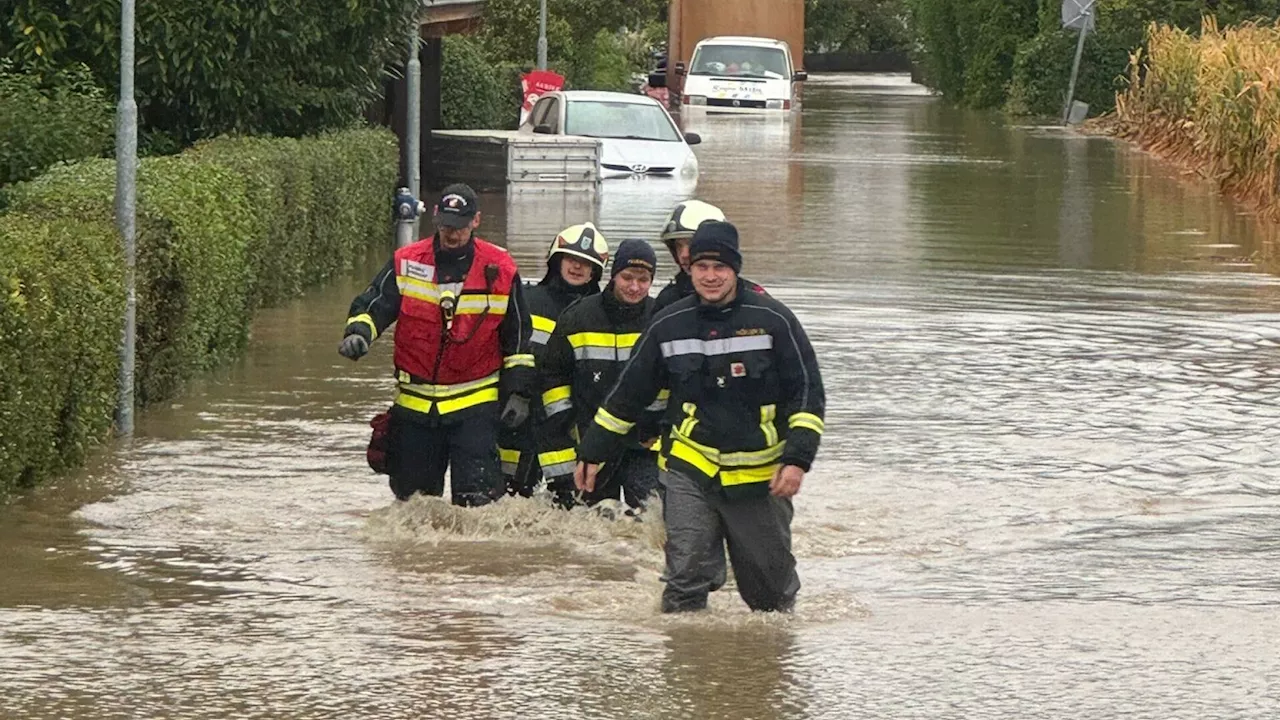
x=693 y=20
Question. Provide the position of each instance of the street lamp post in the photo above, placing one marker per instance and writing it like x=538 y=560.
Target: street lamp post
x=542 y=35
x=126 y=213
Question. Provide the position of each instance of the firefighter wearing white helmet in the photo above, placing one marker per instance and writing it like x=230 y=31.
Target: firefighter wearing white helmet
x=575 y=264
x=676 y=235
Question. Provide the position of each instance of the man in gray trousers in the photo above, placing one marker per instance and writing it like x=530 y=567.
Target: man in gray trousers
x=745 y=412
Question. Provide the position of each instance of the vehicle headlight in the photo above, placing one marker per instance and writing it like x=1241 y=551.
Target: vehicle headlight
x=773 y=105
x=697 y=99
x=690 y=167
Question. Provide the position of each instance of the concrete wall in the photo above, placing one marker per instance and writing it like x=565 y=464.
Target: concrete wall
x=693 y=20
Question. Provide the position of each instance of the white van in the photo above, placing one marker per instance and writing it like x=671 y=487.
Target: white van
x=741 y=74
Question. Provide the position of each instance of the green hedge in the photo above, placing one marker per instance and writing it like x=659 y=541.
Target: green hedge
x=1015 y=54
x=61 y=301
x=223 y=228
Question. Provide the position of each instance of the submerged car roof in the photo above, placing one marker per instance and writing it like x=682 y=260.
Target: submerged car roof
x=602 y=96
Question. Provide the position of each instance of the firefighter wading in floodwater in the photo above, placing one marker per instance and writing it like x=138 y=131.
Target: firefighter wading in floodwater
x=461 y=353
x=575 y=264
x=745 y=412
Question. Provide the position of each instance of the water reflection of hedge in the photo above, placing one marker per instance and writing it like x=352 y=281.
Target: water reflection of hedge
x=223 y=229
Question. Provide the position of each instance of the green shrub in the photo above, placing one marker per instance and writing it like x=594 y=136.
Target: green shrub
x=224 y=228
x=42 y=122
x=194 y=226
x=476 y=92
x=314 y=203
x=61 y=304
x=285 y=67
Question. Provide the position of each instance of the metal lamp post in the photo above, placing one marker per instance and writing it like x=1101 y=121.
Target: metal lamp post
x=542 y=35
x=126 y=213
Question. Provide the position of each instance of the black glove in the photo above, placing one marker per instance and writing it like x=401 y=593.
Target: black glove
x=353 y=346
x=516 y=412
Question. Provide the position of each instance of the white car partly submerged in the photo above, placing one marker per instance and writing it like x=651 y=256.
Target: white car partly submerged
x=637 y=136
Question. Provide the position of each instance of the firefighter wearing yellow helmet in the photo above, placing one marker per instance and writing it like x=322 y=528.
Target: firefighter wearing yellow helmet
x=575 y=264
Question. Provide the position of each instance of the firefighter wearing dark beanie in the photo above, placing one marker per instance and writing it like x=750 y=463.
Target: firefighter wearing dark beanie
x=716 y=240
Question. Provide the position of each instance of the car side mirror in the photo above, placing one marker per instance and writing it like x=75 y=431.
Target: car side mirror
x=680 y=69
x=692 y=138
x=799 y=76
x=543 y=129
x=657 y=79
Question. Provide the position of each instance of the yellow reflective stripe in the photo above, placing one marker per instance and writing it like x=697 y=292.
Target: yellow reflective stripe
x=423 y=405
x=521 y=360
x=418 y=289
x=687 y=453
x=508 y=456
x=555 y=457
x=753 y=457
x=444 y=391
x=744 y=476
x=556 y=393
x=478 y=304
x=545 y=324
x=599 y=339
x=687 y=425
x=744 y=458
x=767 y=415
x=414 y=403
x=365 y=319
x=660 y=403
x=609 y=422
x=466 y=401
x=807 y=420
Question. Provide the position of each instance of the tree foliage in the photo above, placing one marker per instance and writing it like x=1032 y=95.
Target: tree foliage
x=284 y=67
x=1014 y=53
x=855 y=26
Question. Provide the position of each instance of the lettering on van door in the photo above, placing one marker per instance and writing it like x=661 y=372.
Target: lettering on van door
x=736 y=91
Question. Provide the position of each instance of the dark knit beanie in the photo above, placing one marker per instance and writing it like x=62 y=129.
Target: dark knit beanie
x=634 y=253
x=716 y=240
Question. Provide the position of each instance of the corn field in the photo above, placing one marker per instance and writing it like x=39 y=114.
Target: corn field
x=1211 y=103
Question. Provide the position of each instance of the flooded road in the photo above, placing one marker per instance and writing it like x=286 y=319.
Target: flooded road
x=1050 y=484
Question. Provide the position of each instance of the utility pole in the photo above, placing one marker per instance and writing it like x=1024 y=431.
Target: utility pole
x=126 y=214
x=1083 y=19
x=407 y=227
x=542 y=35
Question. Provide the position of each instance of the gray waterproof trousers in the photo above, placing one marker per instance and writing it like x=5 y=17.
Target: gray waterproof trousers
x=700 y=520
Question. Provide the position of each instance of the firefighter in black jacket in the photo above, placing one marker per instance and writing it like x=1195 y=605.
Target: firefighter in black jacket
x=587 y=352
x=575 y=265
x=676 y=233
x=461 y=353
x=746 y=415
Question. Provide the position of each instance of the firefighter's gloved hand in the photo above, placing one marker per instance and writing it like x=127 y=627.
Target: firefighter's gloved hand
x=516 y=412
x=353 y=346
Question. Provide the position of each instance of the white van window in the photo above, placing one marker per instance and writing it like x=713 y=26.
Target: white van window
x=740 y=61
x=602 y=119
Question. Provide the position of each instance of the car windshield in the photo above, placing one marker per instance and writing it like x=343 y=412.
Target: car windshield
x=605 y=119
x=740 y=61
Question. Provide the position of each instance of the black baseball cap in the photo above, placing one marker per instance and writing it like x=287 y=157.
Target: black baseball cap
x=458 y=205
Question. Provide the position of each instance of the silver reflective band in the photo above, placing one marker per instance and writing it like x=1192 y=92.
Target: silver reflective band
x=559 y=469
x=589 y=352
x=723 y=346
x=540 y=337
x=558 y=406
x=659 y=404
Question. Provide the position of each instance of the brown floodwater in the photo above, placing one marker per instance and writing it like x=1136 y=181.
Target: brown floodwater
x=1050 y=485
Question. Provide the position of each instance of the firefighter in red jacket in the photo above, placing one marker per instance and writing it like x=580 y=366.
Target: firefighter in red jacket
x=461 y=353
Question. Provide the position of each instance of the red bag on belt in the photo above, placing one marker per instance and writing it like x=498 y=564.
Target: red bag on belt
x=376 y=454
